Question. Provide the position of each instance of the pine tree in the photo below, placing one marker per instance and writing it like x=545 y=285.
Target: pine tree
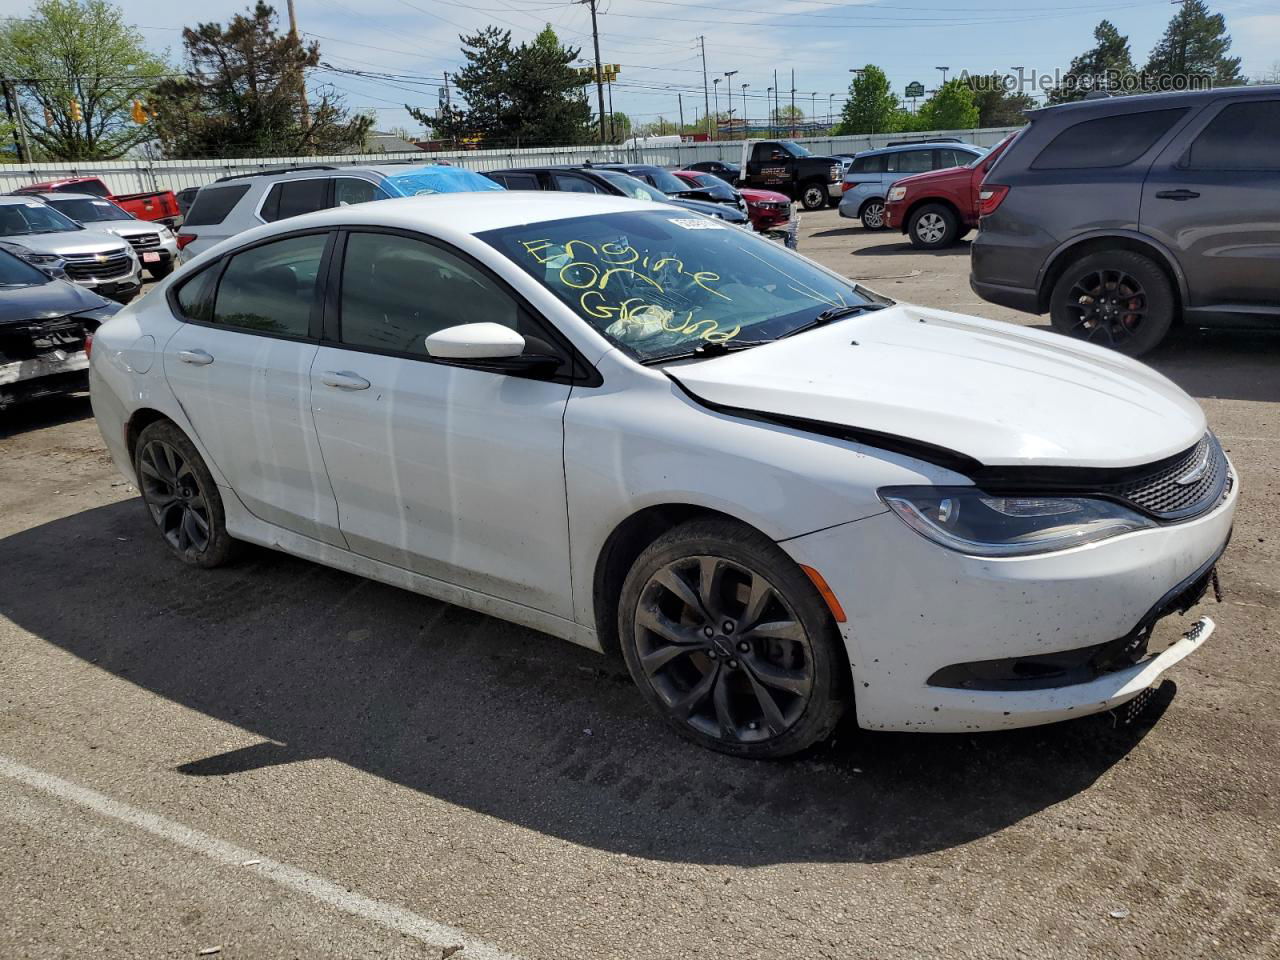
x=871 y=107
x=1108 y=66
x=1195 y=44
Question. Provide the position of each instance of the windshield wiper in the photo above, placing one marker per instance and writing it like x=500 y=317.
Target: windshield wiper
x=831 y=314
x=708 y=349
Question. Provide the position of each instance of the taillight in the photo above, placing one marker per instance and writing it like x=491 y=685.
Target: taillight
x=88 y=344
x=846 y=187
x=185 y=238
x=989 y=198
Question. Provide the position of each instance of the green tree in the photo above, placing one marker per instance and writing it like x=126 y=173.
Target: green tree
x=81 y=67
x=952 y=107
x=871 y=107
x=242 y=96
x=1195 y=44
x=1106 y=66
x=517 y=95
x=997 y=106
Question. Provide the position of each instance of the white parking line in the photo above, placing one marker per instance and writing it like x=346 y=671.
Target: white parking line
x=317 y=888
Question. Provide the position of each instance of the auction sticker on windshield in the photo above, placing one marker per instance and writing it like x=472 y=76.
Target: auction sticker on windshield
x=695 y=223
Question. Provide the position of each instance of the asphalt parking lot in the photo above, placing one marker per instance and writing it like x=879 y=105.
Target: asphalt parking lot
x=280 y=760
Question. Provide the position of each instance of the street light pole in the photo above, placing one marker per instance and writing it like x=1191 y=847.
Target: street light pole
x=715 y=130
x=745 y=131
x=944 y=74
x=768 y=108
x=728 y=75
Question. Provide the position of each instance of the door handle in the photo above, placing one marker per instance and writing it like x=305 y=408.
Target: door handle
x=1177 y=195
x=199 y=358
x=344 y=380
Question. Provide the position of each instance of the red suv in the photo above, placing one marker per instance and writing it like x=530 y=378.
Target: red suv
x=936 y=209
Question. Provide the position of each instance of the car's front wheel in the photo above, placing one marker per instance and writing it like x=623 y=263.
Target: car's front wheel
x=1114 y=298
x=872 y=215
x=813 y=196
x=933 y=226
x=730 y=641
x=181 y=496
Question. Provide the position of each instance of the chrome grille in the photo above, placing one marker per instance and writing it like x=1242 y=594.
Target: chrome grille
x=145 y=241
x=1184 y=487
x=98 y=266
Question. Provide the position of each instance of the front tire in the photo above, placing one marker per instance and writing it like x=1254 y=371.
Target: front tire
x=731 y=643
x=872 y=215
x=181 y=496
x=933 y=227
x=1114 y=298
x=813 y=196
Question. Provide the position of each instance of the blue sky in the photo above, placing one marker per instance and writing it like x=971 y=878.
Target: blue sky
x=409 y=44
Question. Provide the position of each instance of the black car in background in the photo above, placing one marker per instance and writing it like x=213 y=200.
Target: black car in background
x=596 y=179
x=728 y=172
x=43 y=325
x=1121 y=216
x=663 y=179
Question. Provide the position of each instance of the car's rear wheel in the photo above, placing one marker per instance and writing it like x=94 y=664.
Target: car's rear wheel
x=813 y=196
x=872 y=215
x=933 y=226
x=1114 y=298
x=731 y=643
x=181 y=496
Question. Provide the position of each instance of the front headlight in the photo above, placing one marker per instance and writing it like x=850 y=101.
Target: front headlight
x=897 y=193
x=40 y=258
x=981 y=524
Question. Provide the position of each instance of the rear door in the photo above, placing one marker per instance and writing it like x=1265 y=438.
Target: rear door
x=240 y=367
x=1213 y=198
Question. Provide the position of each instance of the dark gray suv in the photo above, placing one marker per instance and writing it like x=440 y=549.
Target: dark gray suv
x=1121 y=216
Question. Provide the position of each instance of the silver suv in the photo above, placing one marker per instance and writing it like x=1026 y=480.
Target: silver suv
x=156 y=245
x=62 y=248
x=233 y=204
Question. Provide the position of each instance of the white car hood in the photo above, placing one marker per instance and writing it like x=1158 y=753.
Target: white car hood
x=1001 y=394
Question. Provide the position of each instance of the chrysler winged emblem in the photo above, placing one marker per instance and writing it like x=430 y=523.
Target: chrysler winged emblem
x=1196 y=471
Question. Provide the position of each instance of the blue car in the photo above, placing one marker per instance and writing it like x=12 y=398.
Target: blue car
x=873 y=172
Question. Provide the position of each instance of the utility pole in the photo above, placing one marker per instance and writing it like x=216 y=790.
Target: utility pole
x=680 y=101
x=15 y=118
x=793 y=102
x=595 y=39
x=302 y=77
x=776 y=109
x=706 y=96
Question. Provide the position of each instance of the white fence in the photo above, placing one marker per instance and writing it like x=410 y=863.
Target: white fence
x=136 y=176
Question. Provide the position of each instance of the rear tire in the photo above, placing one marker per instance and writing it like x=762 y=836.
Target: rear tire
x=181 y=496
x=1114 y=298
x=813 y=195
x=933 y=227
x=731 y=643
x=872 y=215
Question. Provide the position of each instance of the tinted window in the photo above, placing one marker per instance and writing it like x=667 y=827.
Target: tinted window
x=915 y=161
x=953 y=158
x=572 y=184
x=397 y=291
x=1244 y=136
x=292 y=198
x=874 y=164
x=195 y=296
x=349 y=190
x=212 y=204
x=1107 y=141
x=271 y=288
x=95 y=187
x=518 y=181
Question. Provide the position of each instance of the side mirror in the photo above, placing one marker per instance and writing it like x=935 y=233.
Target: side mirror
x=475 y=341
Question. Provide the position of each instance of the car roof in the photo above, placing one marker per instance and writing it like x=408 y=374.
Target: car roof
x=51 y=195
x=1104 y=106
x=922 y=145
x=26 y=198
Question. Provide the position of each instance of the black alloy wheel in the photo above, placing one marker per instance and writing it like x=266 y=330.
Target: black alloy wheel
x=733 y=646
x=1117 y=299
x=181 y=496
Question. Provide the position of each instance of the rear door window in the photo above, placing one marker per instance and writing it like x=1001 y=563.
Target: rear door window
x=212 y=204
x=915 y=161
x=517 y=181
x=1244 y=136
x=271 y=288
x=292 y=198
x=874 y=164
x=195 y=296
x=349 y=190
x=1114 y=141
x=574 y=184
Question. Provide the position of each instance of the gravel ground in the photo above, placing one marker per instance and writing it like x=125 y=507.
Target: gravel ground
x=281 y=760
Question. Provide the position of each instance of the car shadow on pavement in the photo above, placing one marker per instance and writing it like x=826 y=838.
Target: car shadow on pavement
x=1223 y=364
x=900 y=245
x=45 y=412
x=503 y=720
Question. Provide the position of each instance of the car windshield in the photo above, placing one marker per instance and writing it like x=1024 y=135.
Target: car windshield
x=633 y=188
x=795 y=148
x=659 y=284
x=89 y=211
x=15 y=272
x=32 y=216
x=668 y=182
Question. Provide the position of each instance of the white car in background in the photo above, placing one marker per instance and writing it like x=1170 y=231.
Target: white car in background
x=154 y=243
x=776 y=493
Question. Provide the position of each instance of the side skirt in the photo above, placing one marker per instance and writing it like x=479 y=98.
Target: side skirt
x=243 y=525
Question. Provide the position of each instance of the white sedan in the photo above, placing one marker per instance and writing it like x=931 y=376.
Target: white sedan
x=777 y=494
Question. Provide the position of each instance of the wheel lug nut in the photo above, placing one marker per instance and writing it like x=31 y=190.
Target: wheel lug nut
x=727 y=626
x=733 y=664
x=708 y=632
x=743 y=646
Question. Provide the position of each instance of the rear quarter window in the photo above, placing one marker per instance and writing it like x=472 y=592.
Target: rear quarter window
x=1113 y=141
x=212 y=204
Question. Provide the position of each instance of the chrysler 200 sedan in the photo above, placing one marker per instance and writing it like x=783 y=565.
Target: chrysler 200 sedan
x=776 y=493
